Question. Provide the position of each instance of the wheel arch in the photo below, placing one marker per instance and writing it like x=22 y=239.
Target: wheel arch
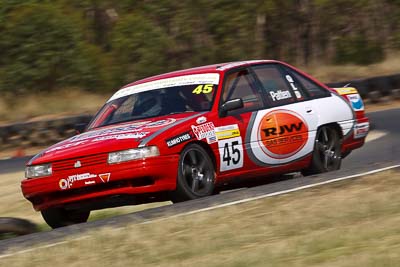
x=207 y=148
x=335 y=126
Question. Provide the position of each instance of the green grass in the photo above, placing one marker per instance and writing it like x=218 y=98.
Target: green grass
x=350 y=223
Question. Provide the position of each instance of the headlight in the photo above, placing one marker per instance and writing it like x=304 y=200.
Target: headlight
x=38 y=171
x=132 y=154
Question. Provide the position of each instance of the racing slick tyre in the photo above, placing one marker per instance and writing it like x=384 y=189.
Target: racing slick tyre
x=327 y=152
x=196 y=174
x=59 y=217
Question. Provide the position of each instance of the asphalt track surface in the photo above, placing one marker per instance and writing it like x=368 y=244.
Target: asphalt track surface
x=379 y=153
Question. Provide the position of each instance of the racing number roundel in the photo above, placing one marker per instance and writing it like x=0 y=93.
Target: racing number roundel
x=282 y=133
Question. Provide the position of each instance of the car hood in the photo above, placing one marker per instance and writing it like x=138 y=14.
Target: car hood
x=110 y=138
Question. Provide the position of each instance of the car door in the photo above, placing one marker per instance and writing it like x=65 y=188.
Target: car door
x=284 y=131
x=231 y=129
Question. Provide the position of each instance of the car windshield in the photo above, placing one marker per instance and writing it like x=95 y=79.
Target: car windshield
x=156 y=102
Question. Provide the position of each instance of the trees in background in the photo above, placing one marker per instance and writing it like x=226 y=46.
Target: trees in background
x=100 y=44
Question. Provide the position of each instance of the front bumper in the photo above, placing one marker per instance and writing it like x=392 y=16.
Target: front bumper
x=148 y=175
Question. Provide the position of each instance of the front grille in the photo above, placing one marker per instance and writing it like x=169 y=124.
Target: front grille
x=83 y=162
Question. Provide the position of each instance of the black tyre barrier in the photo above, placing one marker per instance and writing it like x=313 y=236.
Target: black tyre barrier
x=375 y=96
x=361 y=85
x=385 y=85
x=396 y=94
x=381 y=84
x=395 y=81
x=16 y=226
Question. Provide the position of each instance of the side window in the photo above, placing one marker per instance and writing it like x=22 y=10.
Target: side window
x=277 y=90
x=313 y=89
x=239 y=85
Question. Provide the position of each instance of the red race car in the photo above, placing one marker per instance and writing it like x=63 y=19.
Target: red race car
x=179 y=135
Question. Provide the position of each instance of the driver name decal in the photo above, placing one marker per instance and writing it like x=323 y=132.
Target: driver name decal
x=280 y=95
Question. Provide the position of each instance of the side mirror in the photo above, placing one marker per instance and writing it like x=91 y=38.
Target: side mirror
x=230 y=105
x=80 y=127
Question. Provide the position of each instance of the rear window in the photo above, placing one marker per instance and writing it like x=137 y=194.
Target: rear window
x=313 y=89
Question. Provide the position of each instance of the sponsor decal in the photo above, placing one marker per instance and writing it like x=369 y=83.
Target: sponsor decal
x=201 y=120
x=62 y=147
x=228 y=131
x=279 y=136
x=280 y=95
x=361 y=130
x=205 y=78
x=122 y=136
x=356 y=102
x=105 y=177
x=160 y=123
x=176 y=140
x=346 y=90
x=68 y=182
x=282 y=134
x=205 y=131
x=127 y=129
x=131 y=131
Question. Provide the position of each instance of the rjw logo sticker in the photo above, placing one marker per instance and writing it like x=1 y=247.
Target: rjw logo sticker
x=282 y=133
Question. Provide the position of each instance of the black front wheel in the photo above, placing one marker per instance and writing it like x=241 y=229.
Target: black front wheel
x=327 y=152
x=196 y=174
x=59 y=217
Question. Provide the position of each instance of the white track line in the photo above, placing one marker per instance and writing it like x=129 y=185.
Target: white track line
x=219 y=206
x=375 y=134
x=273 y=194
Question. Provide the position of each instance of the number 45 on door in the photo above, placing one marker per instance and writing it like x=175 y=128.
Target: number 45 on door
x=230 y=154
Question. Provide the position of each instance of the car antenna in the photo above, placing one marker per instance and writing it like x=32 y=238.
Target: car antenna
x=347 y=85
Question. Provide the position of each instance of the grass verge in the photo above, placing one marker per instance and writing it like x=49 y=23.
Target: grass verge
x=13 y=204
x=349 y=223
x=338 y=73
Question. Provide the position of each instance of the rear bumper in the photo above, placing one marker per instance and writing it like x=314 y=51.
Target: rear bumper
x=357 y=138
x=149 y=175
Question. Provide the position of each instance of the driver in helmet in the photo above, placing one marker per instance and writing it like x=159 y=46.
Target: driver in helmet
x=148 y=104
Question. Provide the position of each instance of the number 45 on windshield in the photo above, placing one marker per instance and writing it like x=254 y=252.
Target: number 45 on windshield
x=203 y=89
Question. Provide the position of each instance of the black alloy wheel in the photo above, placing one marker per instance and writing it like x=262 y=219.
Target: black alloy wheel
x=196 y=174
x=327 y=152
